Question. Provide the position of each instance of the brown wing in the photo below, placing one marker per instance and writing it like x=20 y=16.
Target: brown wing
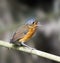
x=20 y=33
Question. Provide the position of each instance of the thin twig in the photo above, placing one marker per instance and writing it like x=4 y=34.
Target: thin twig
x=32 y=51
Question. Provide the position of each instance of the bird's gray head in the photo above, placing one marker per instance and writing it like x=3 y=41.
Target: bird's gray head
x=33 y=21
x=30 y=21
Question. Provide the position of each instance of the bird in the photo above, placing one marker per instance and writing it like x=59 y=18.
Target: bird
x=25 y=33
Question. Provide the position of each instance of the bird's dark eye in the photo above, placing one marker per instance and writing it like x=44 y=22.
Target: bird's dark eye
x=33 y=23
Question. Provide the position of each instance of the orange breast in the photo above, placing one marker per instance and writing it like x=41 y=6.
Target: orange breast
x=28 y=35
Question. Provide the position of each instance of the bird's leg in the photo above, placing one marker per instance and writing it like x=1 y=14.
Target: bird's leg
x=23 y=44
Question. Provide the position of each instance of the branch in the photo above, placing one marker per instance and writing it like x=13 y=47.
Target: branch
x=34 y=51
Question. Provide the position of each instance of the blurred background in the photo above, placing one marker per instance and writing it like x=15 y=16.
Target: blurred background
x=13 y=14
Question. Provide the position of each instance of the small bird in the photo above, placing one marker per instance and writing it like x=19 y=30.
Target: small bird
x=25 y=33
